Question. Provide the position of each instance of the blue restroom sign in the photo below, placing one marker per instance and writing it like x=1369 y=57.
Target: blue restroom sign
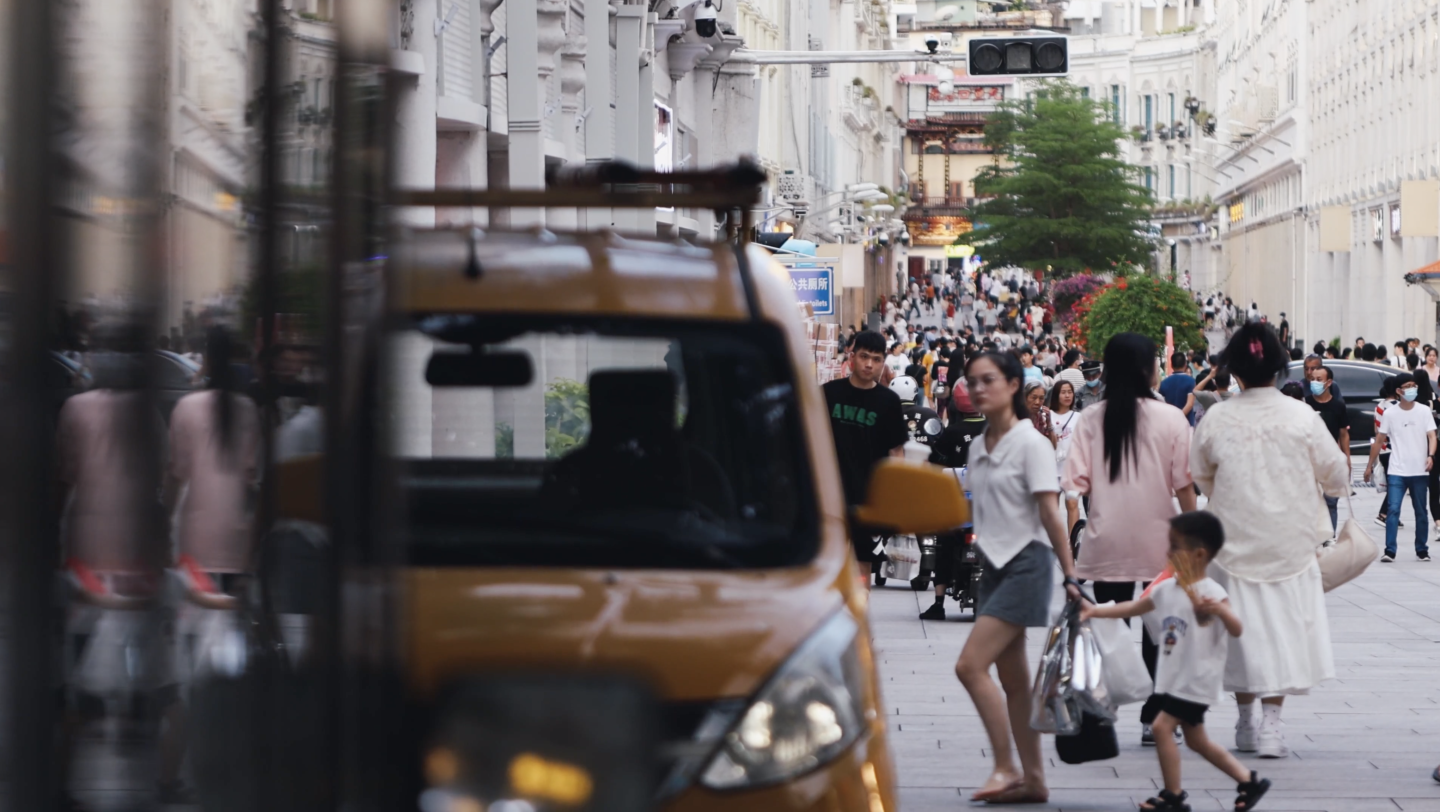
x=815 y=287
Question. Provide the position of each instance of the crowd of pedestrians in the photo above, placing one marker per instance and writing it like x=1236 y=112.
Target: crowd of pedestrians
x=1130 y=441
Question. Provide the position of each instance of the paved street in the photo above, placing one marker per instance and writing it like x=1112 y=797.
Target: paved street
x=1366 y=741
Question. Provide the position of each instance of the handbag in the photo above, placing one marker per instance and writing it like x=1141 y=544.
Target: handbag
x=1126 y=679
x=1350 y=555
x=1094 y=741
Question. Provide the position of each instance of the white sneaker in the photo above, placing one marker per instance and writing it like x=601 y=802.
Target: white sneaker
x=1272 y=740
x=1245 y=735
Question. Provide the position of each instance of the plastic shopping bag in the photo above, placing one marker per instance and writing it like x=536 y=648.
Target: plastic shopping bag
x=1087 y=676
x=1050 y=712
x=902 y=558
x=1125 y=677
x=1069 y=683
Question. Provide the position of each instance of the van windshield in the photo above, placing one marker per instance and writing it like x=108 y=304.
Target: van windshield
x=632 y=445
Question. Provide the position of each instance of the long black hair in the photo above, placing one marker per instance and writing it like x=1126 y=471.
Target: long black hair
x=1129 y=376
x=1424 y=391
x=221 y=378
x=1009 y=366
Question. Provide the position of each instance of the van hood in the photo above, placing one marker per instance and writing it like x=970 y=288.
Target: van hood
x=690 y=635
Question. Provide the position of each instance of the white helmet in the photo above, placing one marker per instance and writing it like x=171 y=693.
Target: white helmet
x=906 y=387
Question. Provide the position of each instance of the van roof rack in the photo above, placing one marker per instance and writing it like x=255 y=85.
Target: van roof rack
x=615 y=185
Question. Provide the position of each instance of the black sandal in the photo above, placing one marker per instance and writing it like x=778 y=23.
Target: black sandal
x=1250 y=792
x=1167 y=801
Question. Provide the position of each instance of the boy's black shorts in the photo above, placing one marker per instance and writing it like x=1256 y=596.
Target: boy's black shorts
x=1190 y=713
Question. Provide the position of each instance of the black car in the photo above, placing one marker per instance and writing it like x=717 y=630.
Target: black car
x=1359 y=383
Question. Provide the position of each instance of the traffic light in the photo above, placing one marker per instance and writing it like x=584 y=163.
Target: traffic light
x=1020 y=56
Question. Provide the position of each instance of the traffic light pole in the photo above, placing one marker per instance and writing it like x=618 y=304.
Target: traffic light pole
x=1032 y=56
x=749 y=57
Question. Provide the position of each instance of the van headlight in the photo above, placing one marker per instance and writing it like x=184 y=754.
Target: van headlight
x=808 y=713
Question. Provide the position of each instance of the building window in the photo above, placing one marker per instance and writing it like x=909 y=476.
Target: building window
x=1172 y=108
x=1149 y=179
x=1172 y=180
x=1084 y=92
x=1149 y=112
x=1115 y=104
x=957 y=191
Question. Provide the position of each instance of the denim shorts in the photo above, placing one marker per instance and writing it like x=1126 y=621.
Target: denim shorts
x=1019 y=592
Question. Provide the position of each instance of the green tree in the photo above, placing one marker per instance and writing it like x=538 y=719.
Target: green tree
x=567 y=416
x=1145 y=305
x=1058 y=194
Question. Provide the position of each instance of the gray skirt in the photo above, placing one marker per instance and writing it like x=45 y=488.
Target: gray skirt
x=1019 y=592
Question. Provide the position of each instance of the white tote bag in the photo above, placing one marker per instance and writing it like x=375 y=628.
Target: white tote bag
x=1350 y=555
x=1124 y=674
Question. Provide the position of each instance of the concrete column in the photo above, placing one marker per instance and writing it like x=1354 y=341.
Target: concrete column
x=629 y=30
x=550 y=37
x=573 y=73
x=572 y=82
x=705 y=147
x=410 y=404
x=463 y=423
x=599 y=95
x=414 y=154
x=462 y=162
x=710 y=148
x=525 y=97
x=645 y=127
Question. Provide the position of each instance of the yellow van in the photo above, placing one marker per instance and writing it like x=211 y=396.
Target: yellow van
x=615 y=461
x=627 y=468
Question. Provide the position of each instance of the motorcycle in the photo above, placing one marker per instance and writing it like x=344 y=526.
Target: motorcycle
x=964 y=586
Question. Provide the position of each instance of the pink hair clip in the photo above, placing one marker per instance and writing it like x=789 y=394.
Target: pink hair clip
x=1256 y=348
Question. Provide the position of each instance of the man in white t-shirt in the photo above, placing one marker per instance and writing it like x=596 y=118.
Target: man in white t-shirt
x=1410 y=429
x=1195 y=622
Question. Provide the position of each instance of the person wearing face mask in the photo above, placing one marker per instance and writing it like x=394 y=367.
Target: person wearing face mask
x=1094 y=389
x=1410 y=429
x=1331 y=408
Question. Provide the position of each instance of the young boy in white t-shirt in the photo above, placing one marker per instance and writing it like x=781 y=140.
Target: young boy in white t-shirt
x=1194 y=622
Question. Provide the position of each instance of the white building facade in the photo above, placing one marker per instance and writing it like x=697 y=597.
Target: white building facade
x=1330 y=163
x=1373 y=179
x=1152 y=65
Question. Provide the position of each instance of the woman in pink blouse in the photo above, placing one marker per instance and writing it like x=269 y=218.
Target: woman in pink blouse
x=1130 y=454
x=214 y=457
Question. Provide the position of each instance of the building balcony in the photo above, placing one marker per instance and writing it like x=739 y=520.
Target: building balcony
x=939 y=207
x=957 y=147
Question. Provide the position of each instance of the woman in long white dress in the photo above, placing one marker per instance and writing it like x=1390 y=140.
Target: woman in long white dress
x=1264 y=459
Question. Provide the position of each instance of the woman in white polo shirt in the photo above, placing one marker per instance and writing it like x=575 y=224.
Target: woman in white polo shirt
x=1013 y=482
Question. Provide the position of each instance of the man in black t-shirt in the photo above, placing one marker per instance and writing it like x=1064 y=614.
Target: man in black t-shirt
x=1331 y=408
x=866 y=420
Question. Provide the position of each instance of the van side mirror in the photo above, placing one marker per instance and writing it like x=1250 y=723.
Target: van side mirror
x=913 y=498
